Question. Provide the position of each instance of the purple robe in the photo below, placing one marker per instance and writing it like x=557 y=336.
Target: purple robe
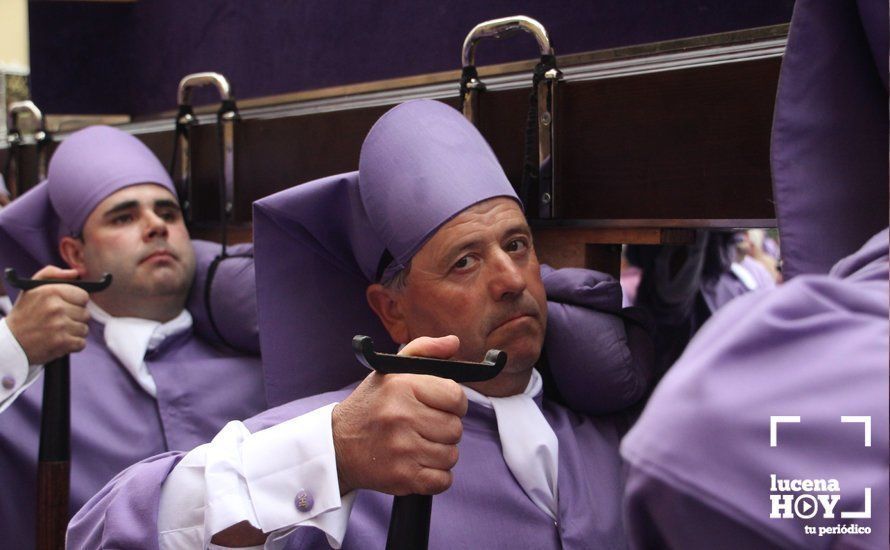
x=114 y=423
x=700 y=456
x=226 y=314
x=484 y=508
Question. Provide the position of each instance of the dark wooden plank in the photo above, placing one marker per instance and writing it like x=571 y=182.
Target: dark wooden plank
x=689 y=144
x=683 y=144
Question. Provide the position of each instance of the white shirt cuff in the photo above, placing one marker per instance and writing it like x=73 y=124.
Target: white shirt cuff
x=276 y=479
x=15 y=375
x=291 y=473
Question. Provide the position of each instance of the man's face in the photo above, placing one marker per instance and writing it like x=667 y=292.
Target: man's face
x=138 y=235
x=478 y=278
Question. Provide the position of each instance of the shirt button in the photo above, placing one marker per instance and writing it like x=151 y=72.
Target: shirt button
x=8 y=382
x=304 y=500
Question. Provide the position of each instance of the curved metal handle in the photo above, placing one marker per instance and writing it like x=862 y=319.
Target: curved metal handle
x=197 y=80
x=499 y=28
x=24 y=107
x=14 y=139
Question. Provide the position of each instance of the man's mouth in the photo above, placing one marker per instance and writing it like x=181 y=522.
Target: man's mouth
x=512 y=318
x=159 y=255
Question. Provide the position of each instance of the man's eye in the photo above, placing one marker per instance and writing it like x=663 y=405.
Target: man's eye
x=464 y=263
x=122 y=219
x=517 y=245
x=170 y=216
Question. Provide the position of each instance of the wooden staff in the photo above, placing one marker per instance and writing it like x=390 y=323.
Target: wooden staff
x=54 y=458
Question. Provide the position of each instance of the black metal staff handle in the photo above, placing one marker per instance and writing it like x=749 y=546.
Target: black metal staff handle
x=28 y=284
x=54 y=458
x=459 y=371
x=409 y=523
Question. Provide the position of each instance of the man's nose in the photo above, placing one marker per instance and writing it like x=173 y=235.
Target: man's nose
x=506 y=277
x=156 y=226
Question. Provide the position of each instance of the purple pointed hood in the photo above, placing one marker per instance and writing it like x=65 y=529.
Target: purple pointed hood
x=319 y=245
x=830 y=133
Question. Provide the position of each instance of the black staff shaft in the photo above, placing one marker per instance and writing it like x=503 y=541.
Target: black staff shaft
x=409 y=523
x=54 y=456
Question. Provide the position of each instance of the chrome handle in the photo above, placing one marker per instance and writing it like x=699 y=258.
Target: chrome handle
x=499 y=28
x=14 y=137
x=24 y=107
x=198 y=80
x=226 y=119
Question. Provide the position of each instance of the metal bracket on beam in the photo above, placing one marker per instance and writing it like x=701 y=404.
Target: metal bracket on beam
x=545 y=82
x=15 y=139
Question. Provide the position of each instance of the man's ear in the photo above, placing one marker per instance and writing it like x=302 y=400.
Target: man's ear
x=385 y=304
x=71 y=250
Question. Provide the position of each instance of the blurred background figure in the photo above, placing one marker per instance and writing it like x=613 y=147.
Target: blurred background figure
x=682 y=286
x=759 y=253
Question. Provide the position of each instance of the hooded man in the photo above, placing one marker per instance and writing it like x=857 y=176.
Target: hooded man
x=771 y=429
x=142 y=381
x=431 y=236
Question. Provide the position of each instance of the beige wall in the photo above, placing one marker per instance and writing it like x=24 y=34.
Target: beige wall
x=14 y=35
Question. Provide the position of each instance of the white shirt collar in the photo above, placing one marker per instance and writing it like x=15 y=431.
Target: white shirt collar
x=533 y=389
x=130 y=338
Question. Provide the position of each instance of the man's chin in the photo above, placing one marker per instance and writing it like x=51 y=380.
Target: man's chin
x=521 y=356
x=165 y=284
x=525 y=341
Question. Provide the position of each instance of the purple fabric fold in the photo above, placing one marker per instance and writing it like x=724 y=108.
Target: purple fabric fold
x=582 y=287
x=124 y=514
x=29 y=229
x=597 y=353
x=232 y=299
x=311 y=287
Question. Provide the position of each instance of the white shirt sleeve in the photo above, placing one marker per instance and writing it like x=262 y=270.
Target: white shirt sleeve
x=277 y=479
x=15 y=374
